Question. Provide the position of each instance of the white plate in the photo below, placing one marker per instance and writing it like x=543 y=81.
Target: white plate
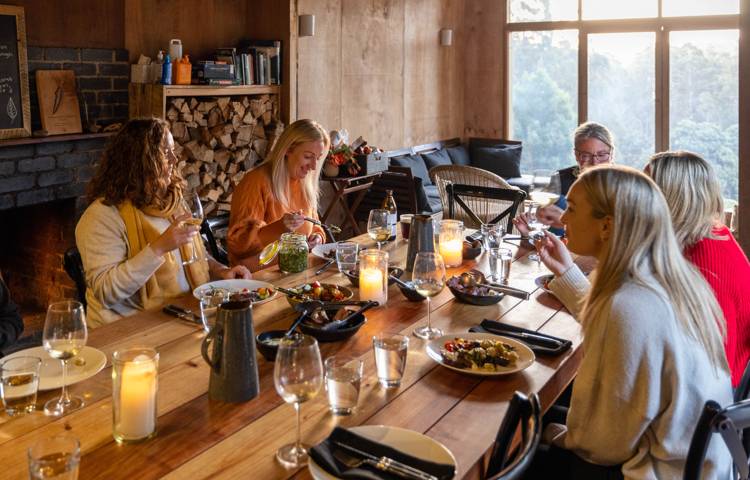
x=540 y=281
x=408 y=441
x=525 y=355
x=50 y=375
x=320 y=251
x=237 y=285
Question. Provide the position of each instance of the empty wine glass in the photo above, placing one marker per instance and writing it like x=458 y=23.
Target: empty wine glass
x=64 y=337
x=377 y=226
x=191 y=204
x=428 y=277
x=298 y=377
x=544 y=191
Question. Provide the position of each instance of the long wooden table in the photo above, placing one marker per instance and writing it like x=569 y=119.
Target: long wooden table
x=198 y=438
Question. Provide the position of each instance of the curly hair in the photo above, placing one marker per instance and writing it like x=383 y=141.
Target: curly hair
x=135 y=167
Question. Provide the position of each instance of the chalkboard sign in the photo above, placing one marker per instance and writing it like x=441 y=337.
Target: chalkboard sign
x=15 y=114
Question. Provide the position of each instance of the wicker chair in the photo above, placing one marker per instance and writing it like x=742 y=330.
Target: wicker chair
x=485 y=208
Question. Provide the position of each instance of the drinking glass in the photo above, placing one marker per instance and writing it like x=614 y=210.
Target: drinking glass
x=63 y=338
x=191 y=204
x=209 y=301
x=298 y=376
x=500 y=260
x=492 y=235
x=55 y=458
x=343 y=378
x=544 y=191
x=390 y=357
x=19 y=382
x=406 y=225
x=428 y=276
x=346 y=256
x=377 y=226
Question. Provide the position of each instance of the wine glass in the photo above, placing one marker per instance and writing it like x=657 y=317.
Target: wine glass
x=428 y=277
x=544 y=191
x=191 y=204
x=298 y=377
x=64 y=337
x=377 y=226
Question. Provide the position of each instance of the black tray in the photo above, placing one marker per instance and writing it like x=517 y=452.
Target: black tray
x=540 y=343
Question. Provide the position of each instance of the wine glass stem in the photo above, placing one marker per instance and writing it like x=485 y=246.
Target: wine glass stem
x=429 y=323
x=64 y=398
x=298 y=445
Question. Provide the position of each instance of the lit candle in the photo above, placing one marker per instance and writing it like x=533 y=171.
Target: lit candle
x=135 y=386
x=371 y=286
x=452 y=252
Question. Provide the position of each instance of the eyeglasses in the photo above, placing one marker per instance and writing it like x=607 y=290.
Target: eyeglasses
x=596 y=157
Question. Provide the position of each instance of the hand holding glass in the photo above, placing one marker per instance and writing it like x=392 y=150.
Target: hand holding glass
x=429 y=279
x=191 y=204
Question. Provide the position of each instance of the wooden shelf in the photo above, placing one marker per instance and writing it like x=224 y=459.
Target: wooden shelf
x=211 y=90
x=53 y=138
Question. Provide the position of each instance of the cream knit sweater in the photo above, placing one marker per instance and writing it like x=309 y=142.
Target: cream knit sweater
x=641 y=386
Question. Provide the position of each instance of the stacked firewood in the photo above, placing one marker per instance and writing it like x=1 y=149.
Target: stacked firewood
x=218 y=139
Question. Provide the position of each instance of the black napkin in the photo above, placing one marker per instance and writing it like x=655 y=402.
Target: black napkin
x=540 y=343
x=323 y=456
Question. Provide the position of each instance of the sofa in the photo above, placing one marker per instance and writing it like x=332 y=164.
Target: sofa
x=502 y=157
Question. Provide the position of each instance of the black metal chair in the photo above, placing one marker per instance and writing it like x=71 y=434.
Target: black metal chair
x=743 y=389
x=73 y=266
x=523 y=412
x=397 y=179
x=509 y=198
x=209 y=227
x=733 y=424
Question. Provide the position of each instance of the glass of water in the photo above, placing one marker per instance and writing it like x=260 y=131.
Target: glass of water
x=390 y=357
x=500 y=260
x=343 y=378
x=346 y=256
x=19 y=382
x=492 y=235
x=56 y=458
x=210 y=300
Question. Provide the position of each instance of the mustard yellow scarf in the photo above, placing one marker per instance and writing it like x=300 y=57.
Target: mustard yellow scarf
x=140 y=233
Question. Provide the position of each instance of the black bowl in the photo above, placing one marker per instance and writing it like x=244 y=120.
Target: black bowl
x=469 y=252
x=411 y=295
x=353 y=275
x=266 y=349
x=336 y=334
x=475 y=299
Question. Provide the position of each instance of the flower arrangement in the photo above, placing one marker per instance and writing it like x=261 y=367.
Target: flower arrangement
x=341 y=155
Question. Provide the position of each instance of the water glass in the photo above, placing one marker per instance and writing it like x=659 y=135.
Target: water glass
x=500 y=260
x=55 y=458
x=343 y=378
x=390 y=357
x=19 y=382
x=346 y=256
x=210 y=300
x=492 y=235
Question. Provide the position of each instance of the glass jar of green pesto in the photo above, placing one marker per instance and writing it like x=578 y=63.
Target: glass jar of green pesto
x=293 y=253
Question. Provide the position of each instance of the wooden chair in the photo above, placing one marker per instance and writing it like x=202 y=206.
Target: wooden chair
x=496 y=204
x=523 y=413
x=484 y=208
x=209 y=228
x=73 y=266
x=398 y=179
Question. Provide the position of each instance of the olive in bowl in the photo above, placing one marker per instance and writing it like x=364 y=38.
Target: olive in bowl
x=324 y=292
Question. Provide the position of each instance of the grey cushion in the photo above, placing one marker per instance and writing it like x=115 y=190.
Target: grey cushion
x=438 y=157
x=417 y=165
x=503 y=160
x=523 y=183
x=459 y=155
x=433 y=198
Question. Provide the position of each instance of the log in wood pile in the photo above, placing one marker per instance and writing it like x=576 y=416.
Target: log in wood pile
x=218 y=139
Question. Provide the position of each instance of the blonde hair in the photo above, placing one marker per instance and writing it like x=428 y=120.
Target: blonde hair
x=642 y=244
x=693 y=193
x=301 y=131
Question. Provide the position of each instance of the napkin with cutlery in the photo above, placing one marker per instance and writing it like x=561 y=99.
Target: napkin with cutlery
x=540 y=343
x=329 y=456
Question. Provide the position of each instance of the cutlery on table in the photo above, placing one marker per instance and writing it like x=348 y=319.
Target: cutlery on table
x=182 y=313
x=475 y=278
x=325 y=267
x=384 y=464
x=338 y=323
x=515 y=332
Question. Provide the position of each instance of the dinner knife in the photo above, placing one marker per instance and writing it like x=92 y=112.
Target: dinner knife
x=325 y=267
x=390 y=465
x=530 y=337
x=182 y=314
x=511 y=291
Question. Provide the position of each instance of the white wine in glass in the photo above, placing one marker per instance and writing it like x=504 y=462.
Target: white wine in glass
x=428 y=277
x=64 y=336
x=298 y=377
x=377 y=226
x=191 y=204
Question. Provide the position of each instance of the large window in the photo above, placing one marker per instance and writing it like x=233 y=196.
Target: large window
x=658 y=79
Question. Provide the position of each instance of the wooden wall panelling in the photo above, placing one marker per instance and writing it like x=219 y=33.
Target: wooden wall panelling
x=483 y=95
x=73 y=23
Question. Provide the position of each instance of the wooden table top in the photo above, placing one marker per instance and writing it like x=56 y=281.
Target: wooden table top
x=198 y=438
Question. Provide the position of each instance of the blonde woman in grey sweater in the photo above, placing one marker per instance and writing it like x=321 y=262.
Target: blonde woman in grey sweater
x=653 y=353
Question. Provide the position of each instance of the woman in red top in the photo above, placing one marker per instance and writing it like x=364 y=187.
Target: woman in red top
x=693 y=194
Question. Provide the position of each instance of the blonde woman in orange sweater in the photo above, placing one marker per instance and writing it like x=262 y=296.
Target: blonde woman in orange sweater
x=275 y=197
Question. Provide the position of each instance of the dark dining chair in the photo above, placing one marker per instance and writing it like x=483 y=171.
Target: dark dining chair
x=73 y=266
x=505 y=201
x=743 y=389
x=523 y=413
x=733 y=425
x=209 y=229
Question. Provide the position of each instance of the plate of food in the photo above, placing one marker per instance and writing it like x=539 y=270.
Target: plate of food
x=86 y=364
x=480 y=354
x=325 y=251
x=325 y=292
x=543 y=282
x=254 y=290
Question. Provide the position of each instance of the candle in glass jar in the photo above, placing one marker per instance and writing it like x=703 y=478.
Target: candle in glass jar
x=452 y=252
x=135 y=402
x=371 y=286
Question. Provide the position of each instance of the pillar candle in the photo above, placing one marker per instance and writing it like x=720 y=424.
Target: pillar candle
x=137 y=415
x=372 y=285
x=452 y=252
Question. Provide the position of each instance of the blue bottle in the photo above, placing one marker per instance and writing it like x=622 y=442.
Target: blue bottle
x=166 y=71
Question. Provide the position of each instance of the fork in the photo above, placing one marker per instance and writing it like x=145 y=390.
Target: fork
x=384 y=464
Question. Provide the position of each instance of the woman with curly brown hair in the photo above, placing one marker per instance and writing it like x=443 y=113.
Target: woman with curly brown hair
x=129 y=237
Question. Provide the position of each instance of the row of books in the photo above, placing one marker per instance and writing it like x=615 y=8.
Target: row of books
x=256 y=62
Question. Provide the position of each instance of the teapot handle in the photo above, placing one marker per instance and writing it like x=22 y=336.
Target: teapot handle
x=214 y=364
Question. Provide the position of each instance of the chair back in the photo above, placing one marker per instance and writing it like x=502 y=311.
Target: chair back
x=494 y=204
x=209 y=229
x=398 y=179
x=743 y=389
x=733 y=425
x=73 y=266
x=523 y=412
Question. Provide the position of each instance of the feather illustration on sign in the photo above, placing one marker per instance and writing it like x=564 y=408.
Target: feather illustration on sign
x=58 y=97
x=11 y=109
x=58 y=101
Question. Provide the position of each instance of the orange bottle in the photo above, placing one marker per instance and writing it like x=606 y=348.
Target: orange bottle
x=182 y=71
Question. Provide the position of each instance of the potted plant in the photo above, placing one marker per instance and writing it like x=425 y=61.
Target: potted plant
x=340 y=162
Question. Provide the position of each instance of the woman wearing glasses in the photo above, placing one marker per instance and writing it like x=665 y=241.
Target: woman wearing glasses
x=129 y=237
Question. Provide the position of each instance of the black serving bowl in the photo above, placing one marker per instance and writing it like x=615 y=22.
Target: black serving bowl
x=472 y=251
x=343 y=332
x=353 y=275
x=411 y=295
x=267 y=349
x=475 y=299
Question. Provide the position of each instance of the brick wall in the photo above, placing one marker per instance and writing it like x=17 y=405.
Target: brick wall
x=102 y=75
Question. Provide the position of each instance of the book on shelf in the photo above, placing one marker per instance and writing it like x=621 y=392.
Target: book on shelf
x=267 y=60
